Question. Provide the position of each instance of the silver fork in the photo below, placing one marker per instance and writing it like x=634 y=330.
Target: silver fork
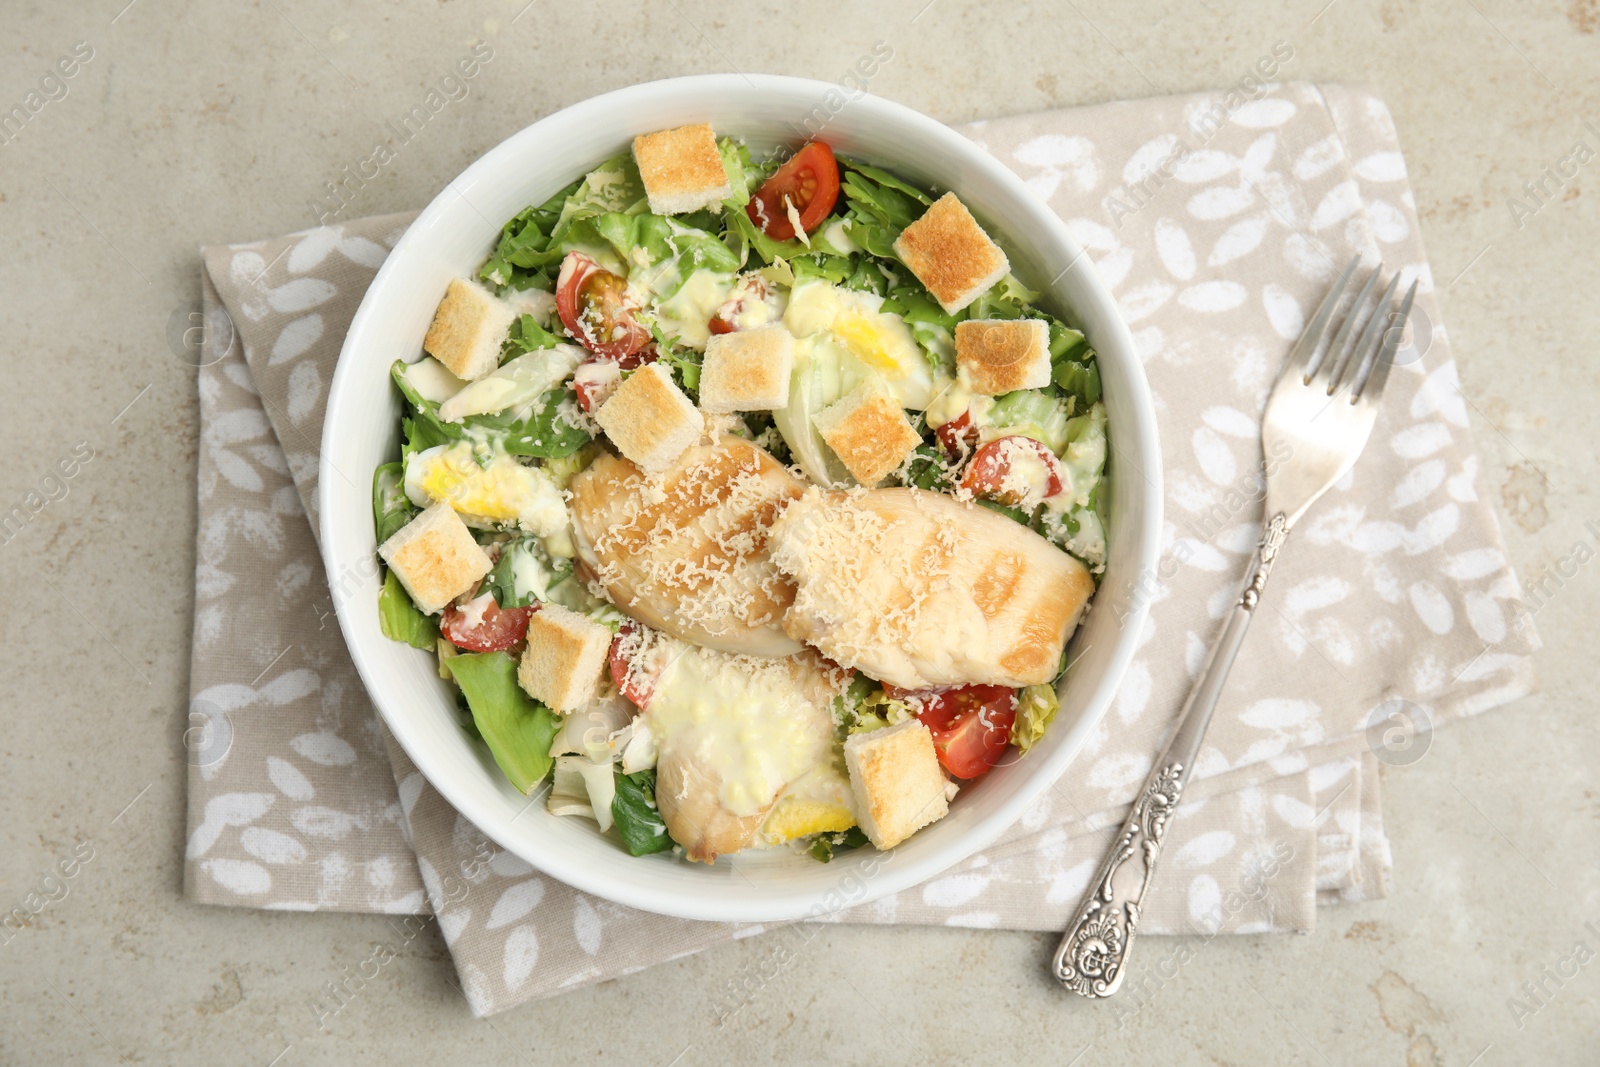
x=1323 y=416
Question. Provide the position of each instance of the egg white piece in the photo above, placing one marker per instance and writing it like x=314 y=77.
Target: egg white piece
x=501 y=495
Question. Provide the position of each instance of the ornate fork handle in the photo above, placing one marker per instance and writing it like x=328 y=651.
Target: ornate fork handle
x=1093 y=954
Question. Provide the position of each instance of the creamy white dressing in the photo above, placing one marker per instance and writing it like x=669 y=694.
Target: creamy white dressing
x=686 y=315
x=432 y=380
x=1085 y=458
x=836 y=234
x=1027 y=477
x=472 y=611
x=535 y=302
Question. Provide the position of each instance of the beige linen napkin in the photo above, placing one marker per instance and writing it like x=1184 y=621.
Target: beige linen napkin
x=1217 y=222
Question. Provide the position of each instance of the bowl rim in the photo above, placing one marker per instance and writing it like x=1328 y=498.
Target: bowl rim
x=768 y=905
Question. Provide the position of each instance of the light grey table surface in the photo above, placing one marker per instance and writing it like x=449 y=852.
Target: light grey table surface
x=199 y=123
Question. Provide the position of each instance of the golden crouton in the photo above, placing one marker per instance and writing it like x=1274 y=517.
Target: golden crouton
x=949 y=253
x=868 y=430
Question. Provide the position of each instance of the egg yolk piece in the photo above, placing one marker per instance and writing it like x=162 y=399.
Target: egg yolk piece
x=502 y=494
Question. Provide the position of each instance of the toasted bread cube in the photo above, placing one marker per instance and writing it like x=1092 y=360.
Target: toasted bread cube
x=895 y=776
x=949 y=253
x=868 y=430
x=747 y=370
x=435 y=557
x=649 y=419
x=566 y=653
x=468 y=329
x=681 y=169
x=998 y=356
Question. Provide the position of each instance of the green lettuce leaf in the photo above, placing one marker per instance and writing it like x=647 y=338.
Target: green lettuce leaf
x=878 y=207
x=633 y=810
x=661 y=252
x=1036 y=707
x=823 y=846
x=400 y=619
x=537 y=430
x=520 y=259
x=527 y=336
x=517 y=728
x=545 y=433
x=391 y=509
x=423 y=429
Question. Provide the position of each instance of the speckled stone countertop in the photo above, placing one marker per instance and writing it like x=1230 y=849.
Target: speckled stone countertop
x=195 y=123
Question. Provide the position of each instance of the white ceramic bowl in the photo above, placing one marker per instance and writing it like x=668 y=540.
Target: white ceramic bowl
x=454 y=235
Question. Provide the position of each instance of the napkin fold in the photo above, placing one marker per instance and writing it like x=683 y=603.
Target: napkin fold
x=1218 y=221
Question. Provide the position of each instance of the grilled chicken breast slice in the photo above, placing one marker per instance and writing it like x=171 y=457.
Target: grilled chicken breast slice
x=688 y=796
x=685 y=551
x=735 y=733
x=919 y=589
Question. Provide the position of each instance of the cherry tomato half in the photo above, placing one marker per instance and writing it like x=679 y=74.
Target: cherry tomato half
x=639 y=688
x=991 y=466
x=958 y=437
x=593 y=306
x=809 y=182
x=594 y=381
x=495 y=630
x=971 y=726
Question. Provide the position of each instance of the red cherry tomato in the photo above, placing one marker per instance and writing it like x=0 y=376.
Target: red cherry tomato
x=991 y=464
x=593 y=306
x=958 y=437
x=971 y=725
x=809 y=181
x=639 y=688
x=595 y=381
x=496 y=630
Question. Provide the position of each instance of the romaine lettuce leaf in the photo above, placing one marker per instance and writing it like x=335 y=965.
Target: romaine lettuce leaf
x=1079 y=380
x=400 y=619
x=614 y=185
x=1036 y=707
x=823 y=372
x=517 y=728
x=547 y=431
x=542 y=428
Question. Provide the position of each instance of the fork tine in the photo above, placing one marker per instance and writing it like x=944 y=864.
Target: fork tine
x=1370 y=388
x=1366 y=349
x=1339 y=350
x=1311 y=336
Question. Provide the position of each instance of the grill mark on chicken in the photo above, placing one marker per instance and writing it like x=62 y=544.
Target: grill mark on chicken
x=997 y=584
